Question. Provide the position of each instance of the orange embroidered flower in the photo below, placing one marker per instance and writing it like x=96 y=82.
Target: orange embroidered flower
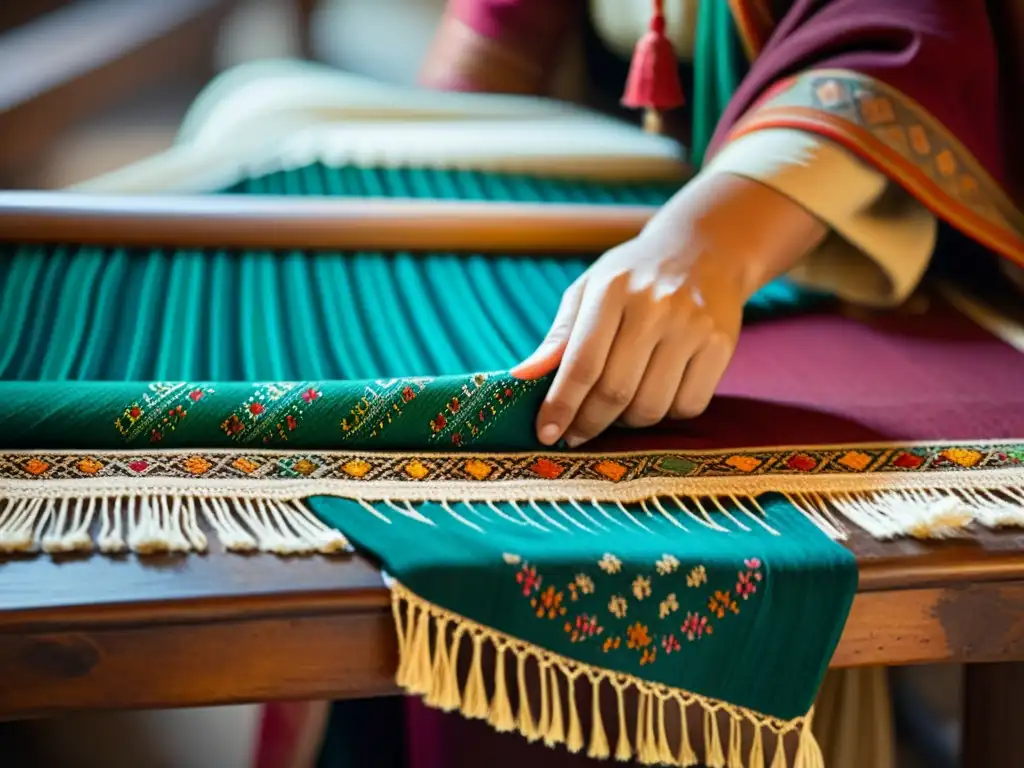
x=243 y=464
x=197 y=465
x=649 y=655
x=356 y=468
x=89 y=466
x=611 y=643
x=549 y=603
x=304 y=467
x=637 y=636
x=722 y=602
x=36 y=466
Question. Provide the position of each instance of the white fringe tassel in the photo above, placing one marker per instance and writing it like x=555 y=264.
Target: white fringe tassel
x=162 y=524
x=257 y=520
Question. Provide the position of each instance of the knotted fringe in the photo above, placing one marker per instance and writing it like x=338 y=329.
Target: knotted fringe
x=153 y=517
x=431 y=638
x=161 y=524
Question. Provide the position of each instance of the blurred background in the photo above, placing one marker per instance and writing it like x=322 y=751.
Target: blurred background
x=87 y=86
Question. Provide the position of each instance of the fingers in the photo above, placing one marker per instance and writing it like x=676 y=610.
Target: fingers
x=618 y=383
x=657 y=391
x=583 y=361
x=548 y=355
x=702 y=375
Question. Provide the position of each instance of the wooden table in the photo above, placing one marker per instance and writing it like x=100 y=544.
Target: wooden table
x=96 y=632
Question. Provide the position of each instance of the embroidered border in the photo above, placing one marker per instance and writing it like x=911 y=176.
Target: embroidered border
x=613 y=468
x=893 y=132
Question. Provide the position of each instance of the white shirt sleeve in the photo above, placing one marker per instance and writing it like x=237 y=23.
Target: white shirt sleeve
x=881 y=239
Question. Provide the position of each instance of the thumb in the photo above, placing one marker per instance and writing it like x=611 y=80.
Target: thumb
x=547 y=357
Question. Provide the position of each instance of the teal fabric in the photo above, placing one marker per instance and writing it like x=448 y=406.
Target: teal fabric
x=719 y=65
x=106 y=313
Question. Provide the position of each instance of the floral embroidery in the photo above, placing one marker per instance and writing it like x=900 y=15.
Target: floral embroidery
x=746 y=583
x=641 y=635
x=721 y=602
x=611 y=644
x=90 y=466
x=637 y=636
x=380 y=406
x=668 y=564
x=529 y=579
x=582 y=585
x=583 y=628
x=549 y=603
x=697 y=577
x=468 y=415
x=197 y=465
x=160 y=410
x=695 y=626
x=271 y=413
x=669 y=605
x=641 y=587
x=618 y=606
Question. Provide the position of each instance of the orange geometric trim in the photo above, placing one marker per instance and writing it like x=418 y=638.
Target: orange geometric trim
x=754 y=23
x=896 y=135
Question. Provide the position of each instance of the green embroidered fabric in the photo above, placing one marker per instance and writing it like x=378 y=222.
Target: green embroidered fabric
x=204 y=349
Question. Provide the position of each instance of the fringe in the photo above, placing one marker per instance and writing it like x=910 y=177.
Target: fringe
x=431 y=671
x=76 y=516
x=161 y=524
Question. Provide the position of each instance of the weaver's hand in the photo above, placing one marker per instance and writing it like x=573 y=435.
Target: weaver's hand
x=648 y=330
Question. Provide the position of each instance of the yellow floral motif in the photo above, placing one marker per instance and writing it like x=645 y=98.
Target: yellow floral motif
x=722 y=602
x=618 y=606
x=610 y=564
x=637 y=636
x=197 y=465
x=611 y=643
x=743 y=463
x=356 y=468
x=641 y=587
x=89 y=466
x=668 y=564
x=582 y=585
x=549 y=604
x=669 y=605
x=511 y=559
x=649 y=656
x=697 y=576
x=304 y=467
x=416 y=470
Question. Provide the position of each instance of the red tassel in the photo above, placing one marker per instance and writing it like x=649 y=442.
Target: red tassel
x=653 y=82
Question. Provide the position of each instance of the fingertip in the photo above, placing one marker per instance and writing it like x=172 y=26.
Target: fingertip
x=539 y=364
x=549 y=433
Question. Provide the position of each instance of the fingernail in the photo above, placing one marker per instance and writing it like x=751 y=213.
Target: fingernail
x=574 y=442
x=549 y=433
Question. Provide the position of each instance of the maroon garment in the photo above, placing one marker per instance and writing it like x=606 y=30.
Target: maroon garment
x=940 y=53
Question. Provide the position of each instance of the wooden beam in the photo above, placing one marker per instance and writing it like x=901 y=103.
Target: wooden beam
x=242 y=221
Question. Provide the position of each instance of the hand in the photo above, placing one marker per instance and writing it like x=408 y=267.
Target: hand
x=648 y=330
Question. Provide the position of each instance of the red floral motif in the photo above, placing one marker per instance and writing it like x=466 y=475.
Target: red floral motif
x=139 y=466
x=156 y=436
x=745 y=585
x=529 y=579
x=695 y=626
x=584 y=627
x=134 y=413
x=438 y=423
x=256 y=408
x=802 y=463
x=310 y=395
x=454 y=405
x=408 y=395
x=669 y=643
x=908 y=461
x=196 y=395
x=233 y=425
x=291 y=422
x=457 y=438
